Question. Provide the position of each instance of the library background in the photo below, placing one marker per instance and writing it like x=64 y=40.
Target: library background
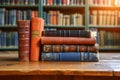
x=61 y=31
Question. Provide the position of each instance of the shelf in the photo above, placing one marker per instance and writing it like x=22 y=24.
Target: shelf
x=111 y=7
x=92 y=26
x=8 y=49
x=8 y=26
x=48 y=26
x=19 y=6
x=109 y=49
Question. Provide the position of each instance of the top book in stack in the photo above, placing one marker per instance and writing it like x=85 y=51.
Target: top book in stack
x=66 y=33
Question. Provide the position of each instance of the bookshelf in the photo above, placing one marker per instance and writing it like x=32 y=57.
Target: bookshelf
x=10 y=12
x=104 y=16
x=66 y=11
x=89 y=10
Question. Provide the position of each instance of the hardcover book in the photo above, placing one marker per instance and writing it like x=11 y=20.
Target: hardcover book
x=37 y=25
x=69 y=48
x=24 y=39
x=66 y=33
x=71 y=56
x=67 y=40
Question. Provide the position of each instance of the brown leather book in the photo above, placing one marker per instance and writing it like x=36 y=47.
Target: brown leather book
x=67 y=40
x=24 y=39
x=92 y=49
x=47 y=48
x=37 y=25
x=82 y=48
x=69 y=48
x=56 y=48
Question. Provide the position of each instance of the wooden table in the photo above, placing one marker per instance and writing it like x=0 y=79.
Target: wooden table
x=108 y=68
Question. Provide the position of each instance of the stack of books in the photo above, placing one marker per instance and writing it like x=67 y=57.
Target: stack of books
x=68 y=45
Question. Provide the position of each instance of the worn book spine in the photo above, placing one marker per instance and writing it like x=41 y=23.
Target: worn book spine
x=67 y=40
x=70 y=56
x=66 y=33
x=69 y=48
x=24 y=39
x=37 y=25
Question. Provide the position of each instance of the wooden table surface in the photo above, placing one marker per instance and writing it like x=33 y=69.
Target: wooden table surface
x=109 y=65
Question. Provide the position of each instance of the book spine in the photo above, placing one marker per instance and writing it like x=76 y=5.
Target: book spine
x=66 y=33
x=37 y=25
x=2 y=14
x=0 y=38
x=69 y=48
x=71 y=56
x=67 y=40
x=24 y=39
x=16 y=40
x=3 y=39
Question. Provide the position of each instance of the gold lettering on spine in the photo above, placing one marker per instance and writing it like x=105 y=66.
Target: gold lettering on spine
x=35 y=33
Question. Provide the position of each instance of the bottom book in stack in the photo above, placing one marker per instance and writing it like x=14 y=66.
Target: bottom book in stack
x=81 y=53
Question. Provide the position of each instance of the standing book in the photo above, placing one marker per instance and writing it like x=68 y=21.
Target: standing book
x=37 y=26
x=24 y=39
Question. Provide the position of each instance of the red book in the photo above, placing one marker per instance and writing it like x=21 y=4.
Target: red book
x=50 y=2
x=24 y=39
x=37 y=25
x=67 y=40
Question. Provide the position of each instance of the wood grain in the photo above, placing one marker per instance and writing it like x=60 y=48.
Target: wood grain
x=105 y=69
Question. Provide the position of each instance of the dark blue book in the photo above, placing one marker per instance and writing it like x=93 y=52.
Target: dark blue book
x=16 y=39
x=7 y=1
x=13 y=17
x=45 y=17
x=0 y=38
x=48 y=19
x=3 y=39
x=54 y=2
x=70 y=56
x=59 y=2
x=8 y=39
x=2 y=16
x=10 y=17
x=29 y=13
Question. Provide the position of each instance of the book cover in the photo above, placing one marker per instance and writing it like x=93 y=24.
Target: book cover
x=24 y=39
x=68 y=40
x=66 y=33
x=69 y=48
x=37 y=25
x=71 y=56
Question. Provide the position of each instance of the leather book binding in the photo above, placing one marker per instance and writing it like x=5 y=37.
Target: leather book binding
x=69 y=48
x=24 y=39
x=37 y=26
x=66 y=33
x=67 y=40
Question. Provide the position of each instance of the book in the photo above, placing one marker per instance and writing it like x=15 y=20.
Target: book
x=69 y=48
x=67 y=40
x=66 y=33
x=37 y=26
x=24 y=39
x=71 y=56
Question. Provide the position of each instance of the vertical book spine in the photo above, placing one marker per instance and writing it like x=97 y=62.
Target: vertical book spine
x=24 y=39
x=37 y=25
